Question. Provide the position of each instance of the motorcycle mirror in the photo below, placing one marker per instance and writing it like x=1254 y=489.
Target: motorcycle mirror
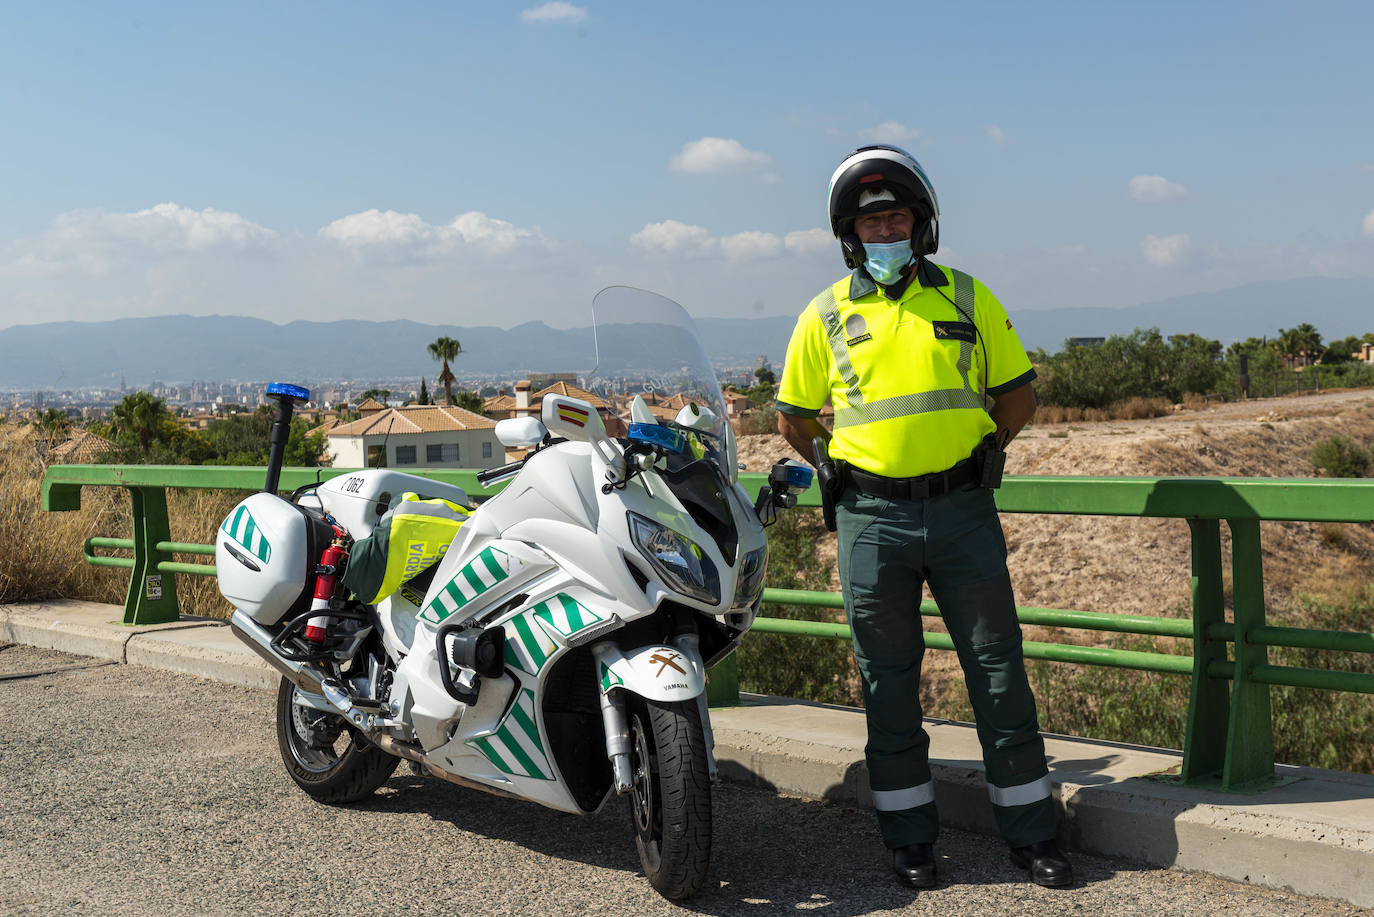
x=572 y=418
x=694 y=417
x=520 y=432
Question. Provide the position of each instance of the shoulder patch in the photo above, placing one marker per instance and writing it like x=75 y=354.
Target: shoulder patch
x=954 y=331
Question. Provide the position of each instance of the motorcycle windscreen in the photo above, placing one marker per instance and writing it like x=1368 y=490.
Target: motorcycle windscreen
x=647 y=345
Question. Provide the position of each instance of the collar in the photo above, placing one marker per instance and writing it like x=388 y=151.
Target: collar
x=927 y=275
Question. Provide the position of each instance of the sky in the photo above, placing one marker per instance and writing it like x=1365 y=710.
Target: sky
x=493 y=163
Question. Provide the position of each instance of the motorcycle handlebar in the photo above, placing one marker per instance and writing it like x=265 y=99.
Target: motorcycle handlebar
x=492 y=475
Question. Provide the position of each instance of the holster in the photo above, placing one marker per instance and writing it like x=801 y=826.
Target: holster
x=828 y=479
x=989 y=460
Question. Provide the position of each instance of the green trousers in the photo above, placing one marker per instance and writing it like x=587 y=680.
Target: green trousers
x=954 y=542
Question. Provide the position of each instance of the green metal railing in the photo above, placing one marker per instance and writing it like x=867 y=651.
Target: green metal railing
x=1229 y=737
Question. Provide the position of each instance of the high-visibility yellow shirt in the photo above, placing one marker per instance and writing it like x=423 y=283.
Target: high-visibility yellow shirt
x=905 y=376
x=413 y=536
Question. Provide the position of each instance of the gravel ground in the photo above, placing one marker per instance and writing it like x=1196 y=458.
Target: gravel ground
x=137 y=791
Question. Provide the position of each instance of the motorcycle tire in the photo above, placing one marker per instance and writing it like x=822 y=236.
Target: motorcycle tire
x=671 y=797
x=330 y=760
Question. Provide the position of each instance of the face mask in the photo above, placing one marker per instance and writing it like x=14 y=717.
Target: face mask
x=885 y=260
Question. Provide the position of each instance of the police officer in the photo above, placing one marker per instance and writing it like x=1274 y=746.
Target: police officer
x=906 y=350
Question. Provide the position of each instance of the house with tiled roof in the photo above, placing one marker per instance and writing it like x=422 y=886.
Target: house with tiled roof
x=84 y=448
x=417 y=436
x=529 y=404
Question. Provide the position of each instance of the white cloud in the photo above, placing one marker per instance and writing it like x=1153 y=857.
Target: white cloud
x=686 y=241
x=718 y=155
x=375 y=227
x=1369 y=223
x=1165 y=251
x=890 y=132
x=996 y=135
x=97 y=241
x=408 y=235
x=673 y=237
x=1150 y=189
x=809 y=241
x=751 y=246
x=554 y=12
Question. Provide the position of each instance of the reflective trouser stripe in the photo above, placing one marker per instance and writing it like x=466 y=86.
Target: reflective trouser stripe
x=900 y=800
x=1022 y=795
x=856 y=411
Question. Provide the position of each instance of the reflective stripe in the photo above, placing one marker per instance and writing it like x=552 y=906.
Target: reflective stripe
x=857 y=412
x=1022 y=795
x=909 y=798
x=905 y=405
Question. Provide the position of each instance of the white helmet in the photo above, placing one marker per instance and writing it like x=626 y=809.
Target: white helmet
x=876 y=178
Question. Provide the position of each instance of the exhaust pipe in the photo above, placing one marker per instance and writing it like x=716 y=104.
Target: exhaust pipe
x=303 y=675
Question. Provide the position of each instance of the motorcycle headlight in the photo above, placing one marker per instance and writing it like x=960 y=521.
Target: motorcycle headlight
x=751 y=571
x=681 y=563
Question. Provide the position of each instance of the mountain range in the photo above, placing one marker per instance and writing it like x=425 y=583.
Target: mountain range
x=181 y=348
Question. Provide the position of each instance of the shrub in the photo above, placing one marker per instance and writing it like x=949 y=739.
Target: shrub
x=811 y=668
x=761 y=421
x=1341 y=457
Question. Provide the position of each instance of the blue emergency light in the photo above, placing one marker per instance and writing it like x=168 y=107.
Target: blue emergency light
x=287 y=390
x=656 y=435
x=790 y=477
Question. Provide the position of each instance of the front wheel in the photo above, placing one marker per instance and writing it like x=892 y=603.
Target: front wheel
x=671 y=798
x=326 y=757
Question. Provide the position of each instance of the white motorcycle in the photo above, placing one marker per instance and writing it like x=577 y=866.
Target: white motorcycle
x=558 y=651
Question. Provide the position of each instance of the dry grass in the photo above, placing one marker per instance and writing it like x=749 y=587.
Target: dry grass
x=1128 y=409
x=42 y=551
x=43 y=559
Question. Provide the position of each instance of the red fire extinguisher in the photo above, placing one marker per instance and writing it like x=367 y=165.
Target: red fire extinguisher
x=331 y=565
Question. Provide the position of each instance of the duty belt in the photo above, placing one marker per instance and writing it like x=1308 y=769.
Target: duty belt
x=917 y=488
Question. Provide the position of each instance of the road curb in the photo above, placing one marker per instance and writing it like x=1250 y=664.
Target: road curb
x=1314 y=836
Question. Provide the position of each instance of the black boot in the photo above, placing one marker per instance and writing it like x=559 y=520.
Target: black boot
x=1047 y=864
x=914 y=865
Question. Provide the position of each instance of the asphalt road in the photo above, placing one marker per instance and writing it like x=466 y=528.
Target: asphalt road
x=136 y=791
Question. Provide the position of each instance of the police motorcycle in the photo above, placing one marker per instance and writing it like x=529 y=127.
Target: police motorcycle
x=558 y=651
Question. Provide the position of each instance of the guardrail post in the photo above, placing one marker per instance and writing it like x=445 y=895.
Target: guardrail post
x=1204 y=743
x=722 y=686
x=152 y=597
x=1250 y=733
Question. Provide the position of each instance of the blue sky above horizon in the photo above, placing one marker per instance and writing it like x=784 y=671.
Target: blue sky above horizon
x=494 y=163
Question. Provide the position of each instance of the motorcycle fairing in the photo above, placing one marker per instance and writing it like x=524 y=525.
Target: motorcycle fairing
x=657 y=672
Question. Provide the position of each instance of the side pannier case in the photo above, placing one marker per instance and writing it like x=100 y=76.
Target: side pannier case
x=265 y=555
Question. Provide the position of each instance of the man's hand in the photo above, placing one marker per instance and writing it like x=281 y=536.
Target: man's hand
x=1010 y=411
x=799 y=431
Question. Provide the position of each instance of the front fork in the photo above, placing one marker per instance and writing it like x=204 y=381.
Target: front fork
x=619 y=671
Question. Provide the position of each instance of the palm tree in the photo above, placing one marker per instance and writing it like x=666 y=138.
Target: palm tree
x=1309 y=342
x=140 y=414
x=445 y=349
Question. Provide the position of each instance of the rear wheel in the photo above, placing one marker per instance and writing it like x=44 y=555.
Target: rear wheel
x=326 y=757
x=671 y=799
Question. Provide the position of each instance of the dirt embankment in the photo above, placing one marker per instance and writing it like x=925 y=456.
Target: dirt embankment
x=1142 y=566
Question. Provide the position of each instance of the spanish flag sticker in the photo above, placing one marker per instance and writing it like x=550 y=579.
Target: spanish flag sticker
x=575 y=416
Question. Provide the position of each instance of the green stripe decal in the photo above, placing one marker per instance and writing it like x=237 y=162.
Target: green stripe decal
x=574 y=612
x=455 y=593
x=530 y=641
x=513 y=746
x=521 y=717
x=475 y=581
x=492 y=566
x=486 y=748
x=249 y=528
